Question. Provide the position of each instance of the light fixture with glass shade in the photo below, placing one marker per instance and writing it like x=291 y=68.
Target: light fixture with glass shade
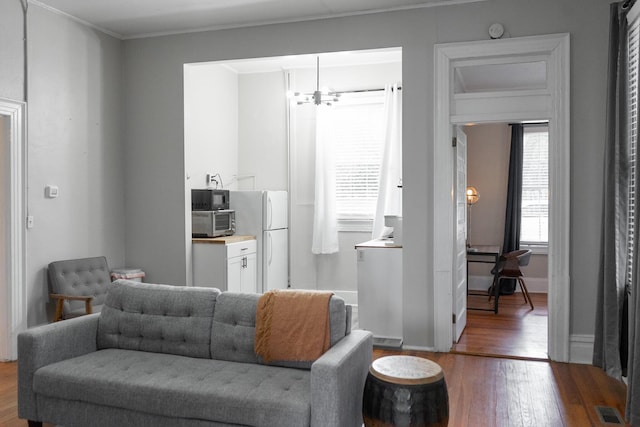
x=317 y=97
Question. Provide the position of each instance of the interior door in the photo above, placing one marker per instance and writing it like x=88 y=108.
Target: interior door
x=460 y=235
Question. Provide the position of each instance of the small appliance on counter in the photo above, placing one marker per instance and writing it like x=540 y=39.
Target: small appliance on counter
x=213 y=223
x=209 y=199
x=394 y=224
x=210 y=213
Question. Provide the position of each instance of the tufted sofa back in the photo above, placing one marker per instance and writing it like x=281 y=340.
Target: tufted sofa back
x=157 y=318
x=234 y=328
x=80 y=277
x=192 y=321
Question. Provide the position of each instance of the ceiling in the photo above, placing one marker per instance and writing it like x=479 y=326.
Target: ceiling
x=139 y=18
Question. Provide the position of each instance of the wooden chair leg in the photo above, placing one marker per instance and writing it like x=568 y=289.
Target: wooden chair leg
x=525 y=291
x=59 y=306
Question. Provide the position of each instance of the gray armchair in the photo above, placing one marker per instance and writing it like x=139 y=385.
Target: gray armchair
x=78 y=286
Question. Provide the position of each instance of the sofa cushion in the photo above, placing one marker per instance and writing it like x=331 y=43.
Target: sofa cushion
x=175 y=386
x=157 y=318
x=234 y=328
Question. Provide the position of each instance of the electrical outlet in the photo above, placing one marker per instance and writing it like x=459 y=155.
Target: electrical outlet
x=211 y=179
x=30 y=221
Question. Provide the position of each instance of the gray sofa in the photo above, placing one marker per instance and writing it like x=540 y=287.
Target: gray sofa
x=160 y=355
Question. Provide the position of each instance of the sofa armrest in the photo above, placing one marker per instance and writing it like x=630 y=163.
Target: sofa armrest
x=337 y=381
x=47 y=344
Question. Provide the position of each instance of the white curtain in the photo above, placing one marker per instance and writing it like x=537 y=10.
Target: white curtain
x=389 y=195
x=325 y=220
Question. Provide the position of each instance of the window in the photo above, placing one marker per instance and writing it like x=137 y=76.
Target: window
x=534 y=229
x=358 y=127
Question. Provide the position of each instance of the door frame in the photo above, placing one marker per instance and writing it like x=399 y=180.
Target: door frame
x=550 y=103
x=13 y=292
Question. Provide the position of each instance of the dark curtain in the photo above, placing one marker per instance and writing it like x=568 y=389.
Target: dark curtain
x=514 y=202
x=613 y=345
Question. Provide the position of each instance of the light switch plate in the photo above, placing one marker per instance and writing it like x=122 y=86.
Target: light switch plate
x=51 y=191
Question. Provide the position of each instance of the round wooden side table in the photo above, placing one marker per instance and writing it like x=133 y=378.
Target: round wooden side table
x=405 y=391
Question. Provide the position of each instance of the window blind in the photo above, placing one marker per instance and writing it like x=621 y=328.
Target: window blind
x=534 y=227
x=359 y=135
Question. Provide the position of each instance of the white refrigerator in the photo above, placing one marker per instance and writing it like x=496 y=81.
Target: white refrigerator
x=265 y=214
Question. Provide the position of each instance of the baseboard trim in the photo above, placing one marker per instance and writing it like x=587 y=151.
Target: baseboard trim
x=418 y=348
x=581 y=348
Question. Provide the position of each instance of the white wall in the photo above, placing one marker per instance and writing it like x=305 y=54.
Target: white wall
x=74 y=140
x=211 y=123
x=262 y=132
x=154 y=128
x=11 y=50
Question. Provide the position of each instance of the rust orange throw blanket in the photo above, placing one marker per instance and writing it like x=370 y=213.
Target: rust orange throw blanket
x=292 y=325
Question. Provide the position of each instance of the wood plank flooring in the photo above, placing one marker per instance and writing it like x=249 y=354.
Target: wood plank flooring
x=515 y=332
x=483 y=391
x=498 y=392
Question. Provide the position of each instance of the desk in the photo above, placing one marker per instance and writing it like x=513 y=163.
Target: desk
x=487 y=254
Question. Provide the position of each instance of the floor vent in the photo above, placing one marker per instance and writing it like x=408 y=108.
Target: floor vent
x=609 y=415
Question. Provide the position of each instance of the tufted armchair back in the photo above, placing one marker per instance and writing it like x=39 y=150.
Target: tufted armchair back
x=77 y=278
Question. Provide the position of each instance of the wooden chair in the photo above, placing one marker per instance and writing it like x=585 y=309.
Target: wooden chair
x=508 y=267
x=79 y=286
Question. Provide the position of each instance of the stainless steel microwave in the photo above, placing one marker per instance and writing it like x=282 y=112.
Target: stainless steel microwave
x=209 y=199
x=213 y=223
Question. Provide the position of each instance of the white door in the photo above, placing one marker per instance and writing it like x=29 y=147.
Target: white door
x=234 y=274
x=276 y=210
x=275 y=262
x=460 y=235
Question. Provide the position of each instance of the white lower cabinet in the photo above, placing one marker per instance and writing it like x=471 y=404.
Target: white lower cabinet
x=225 y=264
x=380 y=291
x=241 y=273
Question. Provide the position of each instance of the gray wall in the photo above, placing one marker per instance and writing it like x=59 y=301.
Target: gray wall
x=74 y=140
x=155 y=196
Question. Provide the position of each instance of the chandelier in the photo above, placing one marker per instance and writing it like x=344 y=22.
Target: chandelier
x=318 y=96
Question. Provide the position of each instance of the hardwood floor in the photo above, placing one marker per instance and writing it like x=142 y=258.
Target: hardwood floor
x=515 y=332
x=483 y=391
x=498 y=392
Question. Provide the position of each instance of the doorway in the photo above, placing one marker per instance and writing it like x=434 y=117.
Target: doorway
x=13 y=299
x=264 y=124
x=548 y=102
x=517 y=330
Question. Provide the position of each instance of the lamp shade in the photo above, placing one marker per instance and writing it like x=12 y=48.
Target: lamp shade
x=472 y=195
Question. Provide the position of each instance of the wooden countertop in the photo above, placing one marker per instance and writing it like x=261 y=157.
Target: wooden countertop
x=379 y=243
x=224 y=240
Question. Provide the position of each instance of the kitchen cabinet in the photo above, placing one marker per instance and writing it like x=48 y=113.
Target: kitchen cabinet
x=228 y=263
x=380 y=291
